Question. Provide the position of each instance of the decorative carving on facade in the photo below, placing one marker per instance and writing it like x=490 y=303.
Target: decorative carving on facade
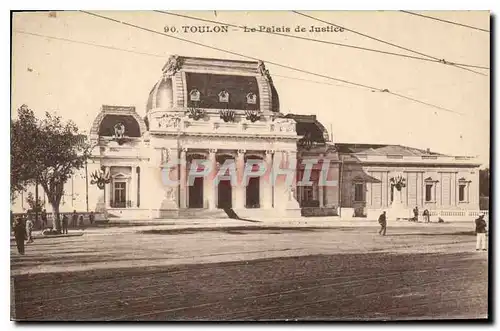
x=264 y=72
x=170 y=194
x=285 y=124
x=169 y=121
x=100 y=177
x=227 y=115
x=173 y=65
x=251 y=98
x=119 y=133
x=165 y=155
x=306 y=141
x=223 y=96
x=194 y=95
x=119 y=129
x=276 y=116
x=398 y=181
x=195 y=113
x=252 y=115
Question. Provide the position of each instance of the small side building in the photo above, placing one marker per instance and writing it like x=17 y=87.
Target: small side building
x=434 y=181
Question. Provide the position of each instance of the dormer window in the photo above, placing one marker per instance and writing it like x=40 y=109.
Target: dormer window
x=194 y=95
x=223 y=96
x=251 y=98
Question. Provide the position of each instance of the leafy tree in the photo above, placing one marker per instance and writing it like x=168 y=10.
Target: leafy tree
x=48 y=151
x=24 y=131
x=484 y=182
x=35 y=206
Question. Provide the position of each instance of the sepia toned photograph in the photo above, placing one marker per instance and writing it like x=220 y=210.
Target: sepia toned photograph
x=250 y=165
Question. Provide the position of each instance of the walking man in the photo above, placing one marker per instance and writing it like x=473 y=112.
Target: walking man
x=29 y=229
x=65 y=224
x=80 y=221
x=382 y=220
x=91 y=218
x=74 y=219
x=480 y=233
x=44 y=218
x=20 y=234
x=415 y=213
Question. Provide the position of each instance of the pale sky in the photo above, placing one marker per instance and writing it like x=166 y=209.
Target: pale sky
x=75 y=79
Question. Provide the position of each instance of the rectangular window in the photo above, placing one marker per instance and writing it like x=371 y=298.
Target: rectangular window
x=461 y=192
x=358 y=192
x=120 y=195
x=428 y=192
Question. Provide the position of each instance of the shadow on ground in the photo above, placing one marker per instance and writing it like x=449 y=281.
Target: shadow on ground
x=328 y=287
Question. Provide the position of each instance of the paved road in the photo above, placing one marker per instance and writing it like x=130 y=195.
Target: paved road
x=368 y=277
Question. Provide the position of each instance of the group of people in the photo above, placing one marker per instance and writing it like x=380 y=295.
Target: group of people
x=426 y=214
x=480 y=228
x=23 y=231
x=24 y=225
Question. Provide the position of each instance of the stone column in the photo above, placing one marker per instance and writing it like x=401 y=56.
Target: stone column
x=108 y=187
x=183 y=179
x=321 y=195
x=267 y=187
x=240 y=188
x=211 y=187
x=278 y=183
x=132 y=192
x=292 y=163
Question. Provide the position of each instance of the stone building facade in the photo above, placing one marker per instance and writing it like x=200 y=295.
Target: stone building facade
x=206 y=113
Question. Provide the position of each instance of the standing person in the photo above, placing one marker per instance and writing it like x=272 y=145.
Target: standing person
x=65 y=224
x=74 y=219
x=91 y=218
x=29 y=229
x=44 y=218
x=415 y=213
x=80 y=221
x=20 y=234
x=427 y=216
x=480 y=233
x=382 y=220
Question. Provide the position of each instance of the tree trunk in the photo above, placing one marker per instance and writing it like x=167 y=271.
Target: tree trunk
x=56 y=222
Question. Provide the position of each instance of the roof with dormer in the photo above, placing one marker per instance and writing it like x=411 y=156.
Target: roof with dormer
x=184 y=76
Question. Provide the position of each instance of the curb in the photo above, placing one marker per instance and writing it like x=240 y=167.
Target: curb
x=53 y=236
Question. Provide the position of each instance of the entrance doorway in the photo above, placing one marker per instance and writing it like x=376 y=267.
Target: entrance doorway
x=224 y=194
x=253 y=193
x=196 y=193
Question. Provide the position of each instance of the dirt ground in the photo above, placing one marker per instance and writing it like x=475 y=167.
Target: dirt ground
x=253 y=274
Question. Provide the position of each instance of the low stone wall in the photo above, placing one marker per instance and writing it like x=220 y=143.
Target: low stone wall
x=318 y=211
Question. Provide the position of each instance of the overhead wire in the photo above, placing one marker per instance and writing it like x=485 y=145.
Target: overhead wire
x=444 y=21
x=318 y=40
x=371 y=88
x=453 y=64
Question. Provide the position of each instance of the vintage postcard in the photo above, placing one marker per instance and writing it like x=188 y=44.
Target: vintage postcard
x=250 y=165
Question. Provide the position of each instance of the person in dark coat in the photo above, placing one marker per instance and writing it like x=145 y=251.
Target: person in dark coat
x=415 y=213
x=91 y=217
x=65 y=224
x=74 y=219
x=382 y=220
x=480 y=233
x=20 y=234
x=44 y=218
x=80 y=221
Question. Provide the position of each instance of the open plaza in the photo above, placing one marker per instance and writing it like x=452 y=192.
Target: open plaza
x=304 y=269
